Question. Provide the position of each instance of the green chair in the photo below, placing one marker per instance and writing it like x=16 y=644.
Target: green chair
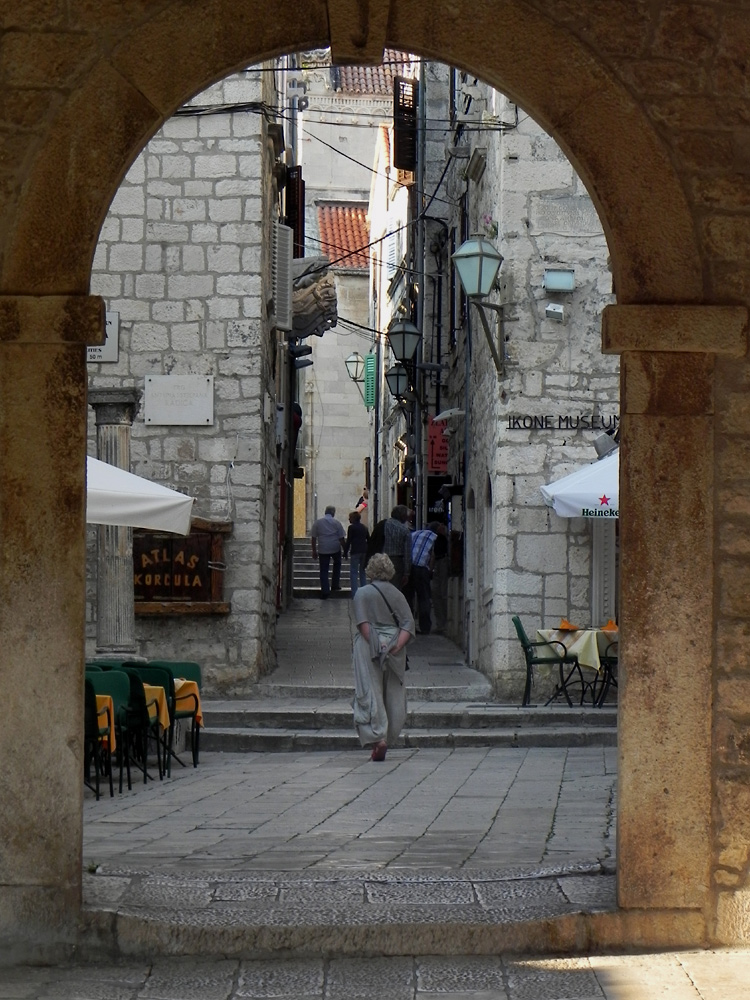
x=116 y=684
x=189 y=670
x=567 y=664
x=159 y=677
x=608 y=677
x=97 y=727
x=139 y=724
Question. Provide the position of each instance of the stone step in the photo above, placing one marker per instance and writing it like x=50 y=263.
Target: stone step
x=306 y=573
x=425 y=715
x=334 y=692
x=248 y=740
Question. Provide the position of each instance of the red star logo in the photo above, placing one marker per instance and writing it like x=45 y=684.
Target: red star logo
x=604 y=501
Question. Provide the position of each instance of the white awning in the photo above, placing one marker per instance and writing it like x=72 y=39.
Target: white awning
x=591 y=491
x=114 y=496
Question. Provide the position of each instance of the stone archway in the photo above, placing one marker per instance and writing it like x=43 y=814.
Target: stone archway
x=115 y=77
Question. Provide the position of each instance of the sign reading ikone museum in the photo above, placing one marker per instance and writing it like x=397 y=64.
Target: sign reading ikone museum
x=562 y=422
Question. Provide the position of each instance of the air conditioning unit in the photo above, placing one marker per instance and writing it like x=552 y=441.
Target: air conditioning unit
x=281 y=275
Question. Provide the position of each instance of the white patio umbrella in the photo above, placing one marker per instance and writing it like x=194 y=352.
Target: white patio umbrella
x=591 y=491
x=114 y=496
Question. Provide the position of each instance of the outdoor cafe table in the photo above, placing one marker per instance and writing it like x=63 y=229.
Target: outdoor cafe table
x=588 y=644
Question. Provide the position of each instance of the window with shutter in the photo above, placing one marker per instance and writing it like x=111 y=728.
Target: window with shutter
x=405 y=96
x=295 y=208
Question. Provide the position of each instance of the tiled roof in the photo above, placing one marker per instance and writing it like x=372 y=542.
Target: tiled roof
x=344 y=229
x=385 y=140
x=375 y=79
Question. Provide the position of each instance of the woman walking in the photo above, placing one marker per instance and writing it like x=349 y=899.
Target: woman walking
x=384 y=626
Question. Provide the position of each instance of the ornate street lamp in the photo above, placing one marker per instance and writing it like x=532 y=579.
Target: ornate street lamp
x=397 y=378
x=404 y=339
x=477 y=263
x=355 y=366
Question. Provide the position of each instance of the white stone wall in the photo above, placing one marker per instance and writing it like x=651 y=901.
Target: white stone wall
x=336 y=142
x=183 y=257
x=523 y=559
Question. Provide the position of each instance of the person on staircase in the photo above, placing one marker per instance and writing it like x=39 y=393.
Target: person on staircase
x=392 y=537
x=355 y=548
x=328 y=536
x=384 y=627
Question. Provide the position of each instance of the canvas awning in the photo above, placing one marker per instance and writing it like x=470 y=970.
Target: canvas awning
x=591 y=491
x=114 y=496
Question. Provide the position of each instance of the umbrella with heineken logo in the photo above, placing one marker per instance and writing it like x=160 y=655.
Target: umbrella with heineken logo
x=591 y=491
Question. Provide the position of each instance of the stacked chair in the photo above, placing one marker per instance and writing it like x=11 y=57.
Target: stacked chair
x=133 y=724
x=187 y=707
x=98 y=727
x=116 y=684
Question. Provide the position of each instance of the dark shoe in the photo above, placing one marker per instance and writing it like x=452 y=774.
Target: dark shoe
x=323 y=597
x=379 y=751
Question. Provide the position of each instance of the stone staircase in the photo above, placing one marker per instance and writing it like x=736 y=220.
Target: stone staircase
x=307 y=572
x=310 y=723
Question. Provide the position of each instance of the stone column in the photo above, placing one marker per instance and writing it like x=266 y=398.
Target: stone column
x=42 y=617
x=667 y=581
x=115 y=410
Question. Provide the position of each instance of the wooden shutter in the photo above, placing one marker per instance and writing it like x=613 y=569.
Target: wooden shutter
x=295 y=208
x=405 y=96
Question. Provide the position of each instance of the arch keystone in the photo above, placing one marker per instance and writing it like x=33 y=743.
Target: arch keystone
x=357 y=31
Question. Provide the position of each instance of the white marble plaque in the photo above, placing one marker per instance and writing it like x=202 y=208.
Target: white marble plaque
x=110 y=349
x=179 y=399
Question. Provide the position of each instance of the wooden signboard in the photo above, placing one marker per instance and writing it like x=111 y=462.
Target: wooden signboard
x=178 y=575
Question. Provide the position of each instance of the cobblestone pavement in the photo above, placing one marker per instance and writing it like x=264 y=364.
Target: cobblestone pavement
x=692 y=975
x=435 y=808
x=347 y=858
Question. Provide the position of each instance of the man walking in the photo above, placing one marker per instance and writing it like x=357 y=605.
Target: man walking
x=327 y=536
x=392 y=537
x=440 y=573
x=422 y=560
x=355 y=548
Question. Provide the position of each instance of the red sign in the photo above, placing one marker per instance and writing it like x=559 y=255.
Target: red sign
x=437 y=448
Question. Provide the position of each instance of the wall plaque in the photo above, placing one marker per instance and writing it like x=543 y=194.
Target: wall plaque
x=179 y=399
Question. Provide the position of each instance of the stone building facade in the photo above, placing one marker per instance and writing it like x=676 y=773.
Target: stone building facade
x=335 y=142
x=509 y=181
x=514 y=185
x=629 y=91
x=184 y=261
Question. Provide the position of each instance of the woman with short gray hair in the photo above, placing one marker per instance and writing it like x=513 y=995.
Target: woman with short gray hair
x=384 y=627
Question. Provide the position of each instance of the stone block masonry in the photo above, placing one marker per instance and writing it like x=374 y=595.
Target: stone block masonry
x=182 y=258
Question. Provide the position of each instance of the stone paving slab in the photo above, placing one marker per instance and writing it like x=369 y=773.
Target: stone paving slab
x=685 y=975
x=476 y=807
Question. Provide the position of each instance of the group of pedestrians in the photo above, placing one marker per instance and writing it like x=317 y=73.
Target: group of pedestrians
x=419 y=558
x=390 y=569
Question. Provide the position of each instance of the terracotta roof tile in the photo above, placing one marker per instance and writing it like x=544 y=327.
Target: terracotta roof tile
x=375 y=79
x=344 y=228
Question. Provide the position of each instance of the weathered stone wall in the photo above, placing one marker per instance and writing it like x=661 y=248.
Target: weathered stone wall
x=649 y=101
x=336 y=142
x=183 y=257
x=531 y=204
